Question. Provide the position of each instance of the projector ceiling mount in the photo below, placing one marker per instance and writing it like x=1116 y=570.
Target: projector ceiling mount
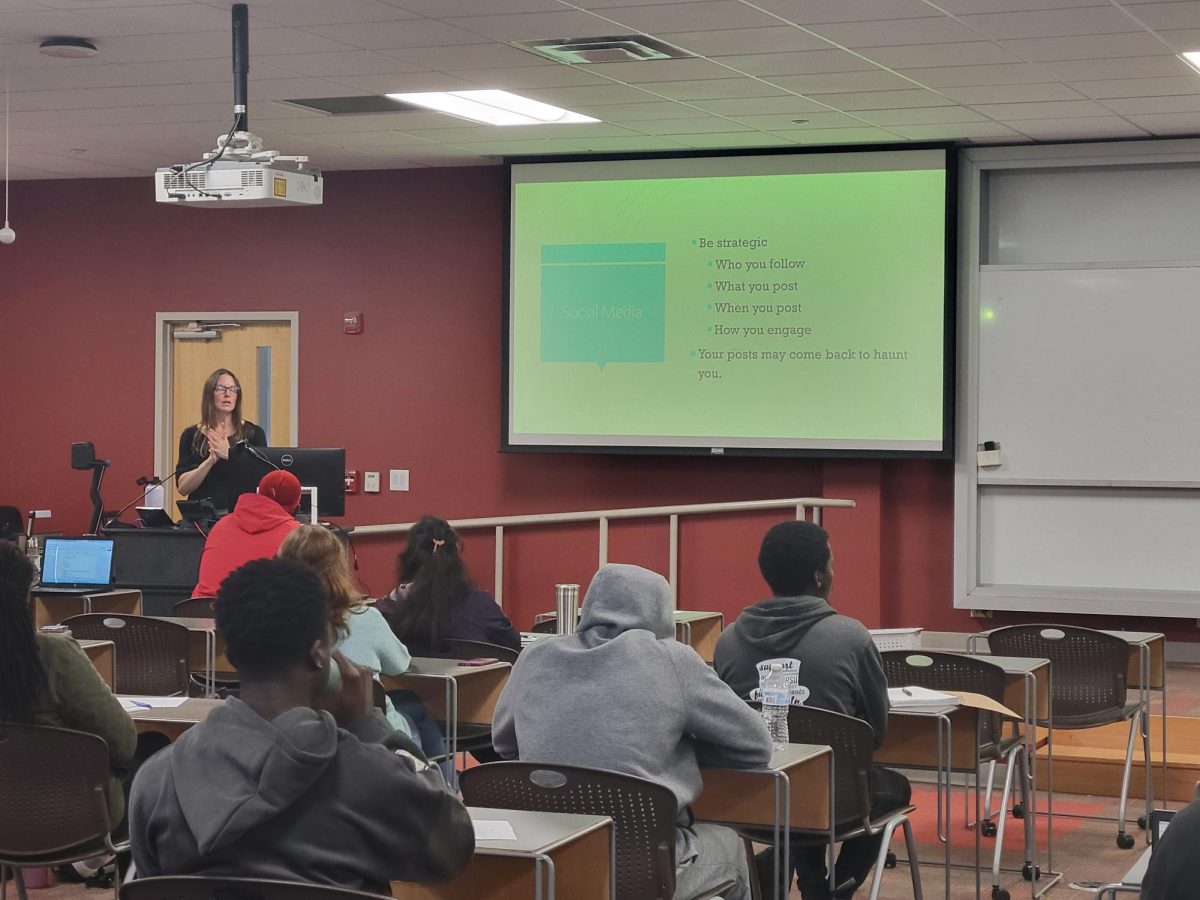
x=238 y=171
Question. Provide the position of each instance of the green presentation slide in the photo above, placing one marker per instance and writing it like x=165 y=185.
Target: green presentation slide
x=773 y=311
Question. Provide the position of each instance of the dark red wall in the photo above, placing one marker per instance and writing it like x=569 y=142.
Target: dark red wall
x=419 y=252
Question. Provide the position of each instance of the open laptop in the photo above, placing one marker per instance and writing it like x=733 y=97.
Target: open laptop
x=76 y=566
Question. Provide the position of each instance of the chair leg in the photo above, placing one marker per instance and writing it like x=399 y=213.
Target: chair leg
x=987 y=795
x=914 y=867
x=1122 y=841
x=751 y=870
x=1001 y=822
x=884 y=846
x=19 y=880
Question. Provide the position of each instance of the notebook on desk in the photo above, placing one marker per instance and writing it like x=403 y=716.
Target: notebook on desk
x=76 y=566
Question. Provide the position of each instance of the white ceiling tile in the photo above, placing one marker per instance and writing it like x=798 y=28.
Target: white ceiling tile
x=1169 y=123
x=398 y=35
x=883 y=100
x=646 y=143
x=1181 y=39
x=692 y=126
x=74 y=76
x=974 y=53
x=701 y=15
x=971 y=76
x=933 y=115
x=639 y=112
x=842 y=82
x=266 y=41
x=307 y=13
x=467 y=56
x=367 y=140
x=836 y=136
x=143 y=48
x=199 y=71
x=99 y=98
x=953 y=132
x=806 y=63
x=1012 y=93
x=529 y=77
x=744 y=140
x=897 y=32
x=33 y=27
x=712 y=89
x=1085 y=47
x=297 y=89
x=664 y=70
x=408 y=122
x=819 y=11
x=741 y=41
x=473 y=131
x=592 y=94
x=1063 y=109
x=535 y=26
x=349 y=62
x=812 y=121
x=1182 y=103
x=1077 y=129
x=407 y=82
x=444 y=9
x=176 y=18
x=1164 y=16
x=759 y=106
x=1165 y=64
x=967 y=7
x=1140 y=87
x=1101 y=19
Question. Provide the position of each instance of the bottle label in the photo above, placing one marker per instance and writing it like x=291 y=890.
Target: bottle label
x=776 y=697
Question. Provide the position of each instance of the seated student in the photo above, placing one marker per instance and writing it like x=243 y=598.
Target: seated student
x=622 y=694
x=254 y=530
x=363 y=635
x=436 y=599
x=48 y=680
x=301 y=778
x=1174 y=870
x=839 y=665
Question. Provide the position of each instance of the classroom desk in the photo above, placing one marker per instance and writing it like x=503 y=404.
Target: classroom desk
x=699 y=630
x=103 y=657
x=764 y=798
x=174 y=721
x=554 y=855
x=51 y=609
x=454 y=693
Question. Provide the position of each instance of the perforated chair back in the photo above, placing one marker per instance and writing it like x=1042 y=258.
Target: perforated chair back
x=949 y=672
x=853 y=744
x=452 y=649
x=194 y=608
x=196 y=887
x=643 y=814
x=1087 y=669
x=152 y=654
x=53 y=805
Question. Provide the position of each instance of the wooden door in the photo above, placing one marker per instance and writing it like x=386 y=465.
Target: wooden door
x=260 y=354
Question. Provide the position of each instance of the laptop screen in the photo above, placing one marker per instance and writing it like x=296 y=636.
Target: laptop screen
x=77 y=561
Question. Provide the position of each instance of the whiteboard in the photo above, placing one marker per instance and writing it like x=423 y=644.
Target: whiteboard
x=1090 y=374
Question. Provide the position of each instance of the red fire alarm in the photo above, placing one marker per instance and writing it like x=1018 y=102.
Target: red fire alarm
x=352 y=323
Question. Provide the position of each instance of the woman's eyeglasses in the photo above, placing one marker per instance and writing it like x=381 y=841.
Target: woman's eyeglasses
x=227 y=389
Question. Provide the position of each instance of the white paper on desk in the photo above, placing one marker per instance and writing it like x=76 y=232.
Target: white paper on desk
x=913 y=697
x=493 y=830
x=131 y=704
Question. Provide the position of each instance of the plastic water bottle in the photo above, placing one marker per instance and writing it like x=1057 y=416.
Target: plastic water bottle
x=776 y=695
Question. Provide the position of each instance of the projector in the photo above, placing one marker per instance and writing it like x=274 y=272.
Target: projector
x=242 y=183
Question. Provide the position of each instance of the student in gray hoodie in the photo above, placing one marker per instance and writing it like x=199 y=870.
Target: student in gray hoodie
x=621 y=694
x=301 y=779
x=839 y=665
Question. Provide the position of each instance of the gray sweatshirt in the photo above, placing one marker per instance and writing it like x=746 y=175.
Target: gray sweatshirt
x=622 y=694
x=296 y=798
x=838 y=661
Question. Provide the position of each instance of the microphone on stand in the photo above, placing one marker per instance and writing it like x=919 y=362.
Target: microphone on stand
x=143 y=482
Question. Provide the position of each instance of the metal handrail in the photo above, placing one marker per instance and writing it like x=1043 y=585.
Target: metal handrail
x=603 y=516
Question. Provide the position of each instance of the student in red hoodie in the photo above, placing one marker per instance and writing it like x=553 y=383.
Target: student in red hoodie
x=254 y=530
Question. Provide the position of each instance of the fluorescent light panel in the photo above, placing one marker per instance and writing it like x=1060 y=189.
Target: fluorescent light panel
x=1192 y=58
x=493 y=107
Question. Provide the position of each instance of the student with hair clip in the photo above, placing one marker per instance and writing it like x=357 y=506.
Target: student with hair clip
x=436 y=599
x=203 y=467
x=364 y=635
x=48 y=680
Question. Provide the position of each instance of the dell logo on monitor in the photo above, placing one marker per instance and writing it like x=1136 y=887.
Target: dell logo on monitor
x=286 y=460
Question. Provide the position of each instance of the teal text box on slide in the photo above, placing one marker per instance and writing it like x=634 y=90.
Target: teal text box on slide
x=604 y=303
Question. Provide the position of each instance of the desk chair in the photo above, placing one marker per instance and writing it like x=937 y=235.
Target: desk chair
x=10 y=523
x=546 y=626
x=194 y=608
x=643 y=814
x=197 y=887
x=853 y=744
x=1087 y=688
x=152 y=654
x=954 y=672
x=53 y=799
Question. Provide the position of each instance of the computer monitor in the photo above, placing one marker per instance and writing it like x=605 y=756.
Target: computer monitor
x=321 y=467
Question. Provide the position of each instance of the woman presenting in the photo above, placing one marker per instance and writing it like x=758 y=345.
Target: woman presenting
x=203 y=467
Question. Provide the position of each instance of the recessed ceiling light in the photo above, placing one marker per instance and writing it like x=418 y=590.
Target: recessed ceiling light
x=68 y=47
x=1192 y=58
x=493 y=107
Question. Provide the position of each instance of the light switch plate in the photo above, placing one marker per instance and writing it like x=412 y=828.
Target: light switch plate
x=398 y=479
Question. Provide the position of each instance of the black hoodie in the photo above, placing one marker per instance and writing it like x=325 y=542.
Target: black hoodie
x=839 y=663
